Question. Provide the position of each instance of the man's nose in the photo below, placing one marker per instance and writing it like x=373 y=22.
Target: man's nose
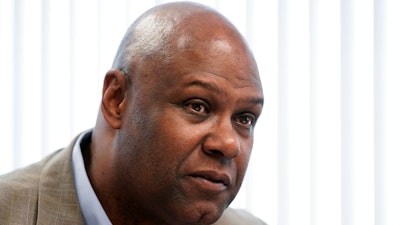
x=222 y=141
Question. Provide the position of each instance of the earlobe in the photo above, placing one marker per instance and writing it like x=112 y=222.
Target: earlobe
x=113 y=98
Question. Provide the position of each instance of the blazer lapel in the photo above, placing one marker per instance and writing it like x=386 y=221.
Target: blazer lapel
x=58 y=202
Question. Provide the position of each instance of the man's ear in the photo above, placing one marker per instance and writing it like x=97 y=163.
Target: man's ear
x=113 y=100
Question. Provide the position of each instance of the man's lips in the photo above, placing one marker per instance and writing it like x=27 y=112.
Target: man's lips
x=211 y=179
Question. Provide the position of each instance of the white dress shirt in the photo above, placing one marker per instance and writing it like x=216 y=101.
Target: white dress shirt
x=92 y=211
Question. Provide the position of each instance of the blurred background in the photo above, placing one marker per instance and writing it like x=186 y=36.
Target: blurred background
x=327 y=147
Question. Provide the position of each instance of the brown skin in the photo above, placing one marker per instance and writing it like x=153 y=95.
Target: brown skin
x=174 y=136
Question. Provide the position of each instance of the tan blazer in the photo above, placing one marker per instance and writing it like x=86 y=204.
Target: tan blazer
x=44 y=193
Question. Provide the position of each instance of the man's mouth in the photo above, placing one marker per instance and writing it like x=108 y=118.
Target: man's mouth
x=211 y=180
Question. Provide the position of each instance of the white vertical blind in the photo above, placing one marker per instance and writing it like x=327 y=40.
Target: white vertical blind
x=387 y=111
x=7 y=78
x=293 y=112
x=327 y=146
x=362 y=114
x=325 y=112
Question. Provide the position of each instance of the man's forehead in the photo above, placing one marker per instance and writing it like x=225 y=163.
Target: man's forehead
x=180 y=47
x=221 y=45
x=218 y=57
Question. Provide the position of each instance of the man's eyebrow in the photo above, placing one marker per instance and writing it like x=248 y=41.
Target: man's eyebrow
x=206 y=85
x=257 y=101
x=212 y=87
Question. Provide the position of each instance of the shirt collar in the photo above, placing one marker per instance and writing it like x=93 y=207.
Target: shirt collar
x=92 y=211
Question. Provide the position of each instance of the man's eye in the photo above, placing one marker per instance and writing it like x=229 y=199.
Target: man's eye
x=197 y=106
x=247 y=120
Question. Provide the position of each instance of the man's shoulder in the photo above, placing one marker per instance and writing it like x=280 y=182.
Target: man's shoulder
x=19 y=192
x=23 y=178
x=20 y=183
x=238 y=217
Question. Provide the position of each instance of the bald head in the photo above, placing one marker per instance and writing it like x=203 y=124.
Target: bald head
x=160 y=33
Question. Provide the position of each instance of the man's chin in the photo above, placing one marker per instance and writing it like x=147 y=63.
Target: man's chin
x=200 y=215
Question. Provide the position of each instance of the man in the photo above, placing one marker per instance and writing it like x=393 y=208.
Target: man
x=173 y=136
